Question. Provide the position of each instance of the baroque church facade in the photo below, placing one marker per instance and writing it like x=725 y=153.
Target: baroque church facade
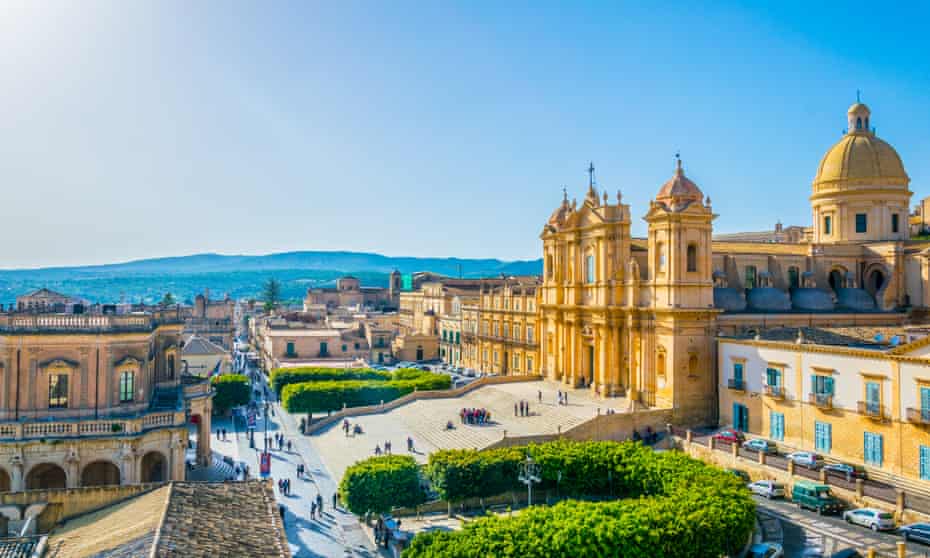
x=639 y=317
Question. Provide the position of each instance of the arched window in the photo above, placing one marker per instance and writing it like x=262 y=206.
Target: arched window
x=858 y=123
x=692 y=258
x=693 y=365
x=660 y=247
x=589 y=269
x=549 y=266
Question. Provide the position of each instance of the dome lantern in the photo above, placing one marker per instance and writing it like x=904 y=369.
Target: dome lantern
x=858 y=118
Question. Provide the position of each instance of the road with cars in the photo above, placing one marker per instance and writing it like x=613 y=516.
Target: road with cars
x=805 y=530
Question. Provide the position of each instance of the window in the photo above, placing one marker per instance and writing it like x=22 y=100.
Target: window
x=821 y=385
x=324 y=348
x=925 y=403
x=862 y=223
x=516 y=362
x=549 y=266
x=693 y=365
x=529 y=306
x=894 y=222
x=345 y=348
x=458 y=337
x=589 y=269
x=529 y=364
x=740 y=417
x=823 y=436
x=127 y=384
x=516 y=304
x=529 y=334
x=773 y=377
x=495 y=329
x=516 y=332
x=777 y=426
x=692 y=258
x=661 y=250
x=738 y=374
x=496 y=359
x=859 y=123
x=924 y=463
x=506 y=328
x=170 y=367
x=58 y=391
x=357 y=346
x=290 y=349
x=872 y=449
x=873 y=397
x=749 y=273
x=794 y=278
x=827 y=225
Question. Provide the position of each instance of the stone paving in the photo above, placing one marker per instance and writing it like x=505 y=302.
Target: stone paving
x=425 y=421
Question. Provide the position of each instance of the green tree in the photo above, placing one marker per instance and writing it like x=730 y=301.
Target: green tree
x=168 y=300
x=271 y=294
x=231 y=390
x=378 y=484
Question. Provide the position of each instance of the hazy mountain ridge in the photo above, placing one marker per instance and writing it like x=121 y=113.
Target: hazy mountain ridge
x=239 y=275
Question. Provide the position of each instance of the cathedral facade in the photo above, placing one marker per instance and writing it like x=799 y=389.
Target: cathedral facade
x=640 y=317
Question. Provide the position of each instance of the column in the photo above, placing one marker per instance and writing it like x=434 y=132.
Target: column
x=17 y=482
x=601 y=381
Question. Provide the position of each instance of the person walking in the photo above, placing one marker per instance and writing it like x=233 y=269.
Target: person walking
x=288 y=446
x=319 y=503
x=335 y=500
x=313 y=510
x=539 y=395
x=515 y=413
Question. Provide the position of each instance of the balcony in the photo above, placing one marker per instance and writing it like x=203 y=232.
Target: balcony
x=736 y=384
x=871 y=409
x=78 y=428
x=775 y=392
x=918 y=416
x=821 y=400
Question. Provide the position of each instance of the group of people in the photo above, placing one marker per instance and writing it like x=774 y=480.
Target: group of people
x=521 y=409
x=475 y=416
x=284 y=486
x=355 y=429
x=387 y=448
x=316 y=506
x=562 y=397
x=281 y=442
x=221 y=434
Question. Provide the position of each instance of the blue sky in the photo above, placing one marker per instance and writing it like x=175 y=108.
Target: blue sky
x=144 y=129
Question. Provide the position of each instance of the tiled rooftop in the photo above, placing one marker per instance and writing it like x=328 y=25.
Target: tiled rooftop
x=878 y=338
x=189 y=519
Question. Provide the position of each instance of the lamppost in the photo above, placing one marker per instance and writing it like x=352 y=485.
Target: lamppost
x=266 y=425
x=529 y=474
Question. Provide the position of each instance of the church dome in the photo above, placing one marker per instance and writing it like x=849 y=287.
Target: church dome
x=679 y=188
x=860 y=157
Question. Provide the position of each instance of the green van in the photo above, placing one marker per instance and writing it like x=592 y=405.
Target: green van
x=815 y=496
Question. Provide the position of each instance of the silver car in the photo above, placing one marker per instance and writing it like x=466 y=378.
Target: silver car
x=768 y=488
x=876 y=520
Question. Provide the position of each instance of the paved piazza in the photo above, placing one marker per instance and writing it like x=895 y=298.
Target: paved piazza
x=425 y=422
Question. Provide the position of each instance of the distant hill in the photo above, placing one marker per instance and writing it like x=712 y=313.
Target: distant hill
x=238 y=275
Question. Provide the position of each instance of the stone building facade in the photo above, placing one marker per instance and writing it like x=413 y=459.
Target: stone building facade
x=501 y=332
x=94 y=399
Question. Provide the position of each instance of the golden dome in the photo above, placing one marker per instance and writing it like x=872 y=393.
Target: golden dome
x=679 y=188
x=861 y=157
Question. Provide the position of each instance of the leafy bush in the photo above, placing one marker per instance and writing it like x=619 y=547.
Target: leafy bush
x=673 y=506
x=321 y=396
x=281 y=377
x=231 y=390
x=379 y=484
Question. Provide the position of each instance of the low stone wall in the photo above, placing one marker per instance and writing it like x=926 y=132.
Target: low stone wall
x=65 y=503
x=616 y=427
x=410 y=397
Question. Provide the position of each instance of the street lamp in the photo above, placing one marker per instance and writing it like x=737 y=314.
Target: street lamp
x=266 y=425
x=529 y=474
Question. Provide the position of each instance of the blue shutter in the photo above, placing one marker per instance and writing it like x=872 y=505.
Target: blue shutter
x=872 y=449
x=925 y=400
x=828 y=385
x=777 y=426
x=738 y=372
x=924 y=463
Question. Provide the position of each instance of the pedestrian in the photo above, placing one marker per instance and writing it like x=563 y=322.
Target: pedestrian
x=409 y=444
x=559 y=397
x=217 y=433
x=565 y=398
x=515 y=410
x=281 y=511
x=288 y=446
x=539 y=395
x=312 y=510
x=335 y=499
x=319 y=503
x=377 y=449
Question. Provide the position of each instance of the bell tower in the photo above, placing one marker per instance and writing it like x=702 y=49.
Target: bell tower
x=680 y=364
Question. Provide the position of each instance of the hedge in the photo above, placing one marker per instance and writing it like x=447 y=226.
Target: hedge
x=673 y=505
x=231 y=390
x=379 y=484
x=281 y=377
x=314 y=397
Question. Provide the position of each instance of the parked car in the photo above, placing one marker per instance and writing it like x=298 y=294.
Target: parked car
x=730 y=435
x=765 y=550
x=815 y=496
x=846 y=470
x=763 y=446
x=768 y=488
x=876 y=520
x=807 y=459
x=916 y=532
x=740 y=474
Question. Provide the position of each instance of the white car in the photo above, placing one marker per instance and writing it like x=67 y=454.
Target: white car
x=806 y=458
x=876 y=520
x=768 y=488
